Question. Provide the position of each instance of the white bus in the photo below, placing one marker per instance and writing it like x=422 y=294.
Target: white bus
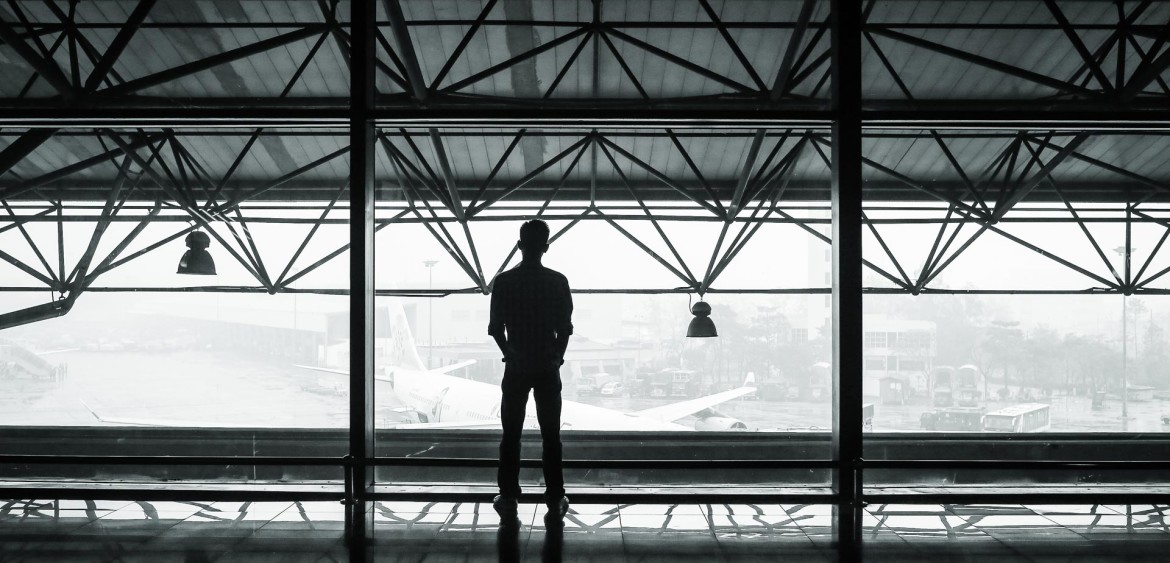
x=1025 y=417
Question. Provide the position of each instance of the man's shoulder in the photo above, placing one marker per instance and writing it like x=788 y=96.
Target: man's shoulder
x=555 y=274
x=522 y=271
x=504 y=279
x=557 y=277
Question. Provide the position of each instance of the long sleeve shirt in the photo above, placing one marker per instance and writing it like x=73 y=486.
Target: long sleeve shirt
x=532 y=305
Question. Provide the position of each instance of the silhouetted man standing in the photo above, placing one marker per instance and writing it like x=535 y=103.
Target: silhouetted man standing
x=531 y=322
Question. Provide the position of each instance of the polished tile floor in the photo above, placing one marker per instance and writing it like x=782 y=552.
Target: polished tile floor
x=190 y=532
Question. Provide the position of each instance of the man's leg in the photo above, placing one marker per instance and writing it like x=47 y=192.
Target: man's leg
x=512 y=406
x=548 y=413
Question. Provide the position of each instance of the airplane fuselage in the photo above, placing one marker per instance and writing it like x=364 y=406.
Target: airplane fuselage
x=442 y=398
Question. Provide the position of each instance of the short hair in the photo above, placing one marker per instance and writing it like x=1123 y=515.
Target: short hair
x=534 y=232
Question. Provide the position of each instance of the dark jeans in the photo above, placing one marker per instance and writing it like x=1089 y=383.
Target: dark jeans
x=546 y=387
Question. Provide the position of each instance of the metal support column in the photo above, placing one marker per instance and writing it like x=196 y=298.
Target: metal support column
x=360 y=509
x=847 y=304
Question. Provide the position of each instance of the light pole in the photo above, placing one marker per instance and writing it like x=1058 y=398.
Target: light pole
x=1124 y=252
x=1124 y=363
x=430 y=264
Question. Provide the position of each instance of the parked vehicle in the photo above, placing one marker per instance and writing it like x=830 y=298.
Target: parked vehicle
x=1025 y=417
x=674 y=383
x=942 y=384
x=612 y=389
x=968 y=380
x=953 y=419
x=592 y=384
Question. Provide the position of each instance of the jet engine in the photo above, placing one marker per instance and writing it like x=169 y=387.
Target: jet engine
x=720 y=423
x=711 y=420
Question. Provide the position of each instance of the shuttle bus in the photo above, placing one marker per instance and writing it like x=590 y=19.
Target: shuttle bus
x=953 y=419
x=968 y=379
x=1025 y=417
x=942 y=385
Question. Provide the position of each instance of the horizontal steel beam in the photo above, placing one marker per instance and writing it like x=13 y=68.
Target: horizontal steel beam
x=634 y=495
x=173 y=460
x=665 y=464
x=1034 y=495
x=1045 y=465
x=249 y=492
x=257 y=493
x=1014 y=118
x=1011 y=118
x=570 y=215
x=883 y=132
x=802 y=191
x=421 y=292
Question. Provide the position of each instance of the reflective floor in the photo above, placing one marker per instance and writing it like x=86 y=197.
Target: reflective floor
x=110 y=531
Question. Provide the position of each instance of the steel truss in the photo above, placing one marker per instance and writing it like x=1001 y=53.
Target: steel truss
x=172 y=177
x=812 y=149
x=64 y=56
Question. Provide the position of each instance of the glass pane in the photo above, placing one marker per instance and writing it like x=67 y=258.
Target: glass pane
x=146 y=360
x=996 y=324
x=630 y=376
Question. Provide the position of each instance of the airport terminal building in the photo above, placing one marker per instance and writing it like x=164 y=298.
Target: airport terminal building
x=879 y=280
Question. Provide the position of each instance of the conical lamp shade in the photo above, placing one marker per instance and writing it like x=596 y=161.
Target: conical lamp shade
x=197 y=262
x=701 y=326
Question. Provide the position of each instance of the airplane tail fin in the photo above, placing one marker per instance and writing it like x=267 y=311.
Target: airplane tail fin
x=402 y=351
x=750 y=380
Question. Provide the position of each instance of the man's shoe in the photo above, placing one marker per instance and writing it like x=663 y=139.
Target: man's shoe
x=558 y=508
x=506 y=507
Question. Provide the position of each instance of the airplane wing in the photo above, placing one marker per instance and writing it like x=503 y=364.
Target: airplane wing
x=326 y=370
x=464 y=424
x=675 y=411
x=443 y=370
x=170 y=422
x=452 y=367
x=157 y=421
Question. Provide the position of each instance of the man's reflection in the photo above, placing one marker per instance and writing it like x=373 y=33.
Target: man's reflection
x=508 y=540
x=554 y=540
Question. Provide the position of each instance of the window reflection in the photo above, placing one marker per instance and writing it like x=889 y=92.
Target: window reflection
x=628 y=367
x=1015 y=364
x=198 y=360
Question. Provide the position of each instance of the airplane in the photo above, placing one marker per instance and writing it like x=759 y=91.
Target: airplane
x=436 y=399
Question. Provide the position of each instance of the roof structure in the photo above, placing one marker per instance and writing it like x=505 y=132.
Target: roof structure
x=987 y=134
x=226 y=114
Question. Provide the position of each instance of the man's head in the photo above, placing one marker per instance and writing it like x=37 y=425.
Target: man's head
x=533 y=238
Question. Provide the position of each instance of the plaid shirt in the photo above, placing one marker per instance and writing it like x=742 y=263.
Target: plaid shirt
x=533 y=305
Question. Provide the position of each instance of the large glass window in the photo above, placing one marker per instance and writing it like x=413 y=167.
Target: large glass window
x=1014 y=257
x=1014 y=271
x=195 y=304
x=638 y=234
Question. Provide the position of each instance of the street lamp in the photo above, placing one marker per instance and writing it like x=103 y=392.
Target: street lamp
x=430 y=264
x=1124 y=252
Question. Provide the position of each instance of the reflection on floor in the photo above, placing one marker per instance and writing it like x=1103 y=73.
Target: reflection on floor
x=46 y=530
